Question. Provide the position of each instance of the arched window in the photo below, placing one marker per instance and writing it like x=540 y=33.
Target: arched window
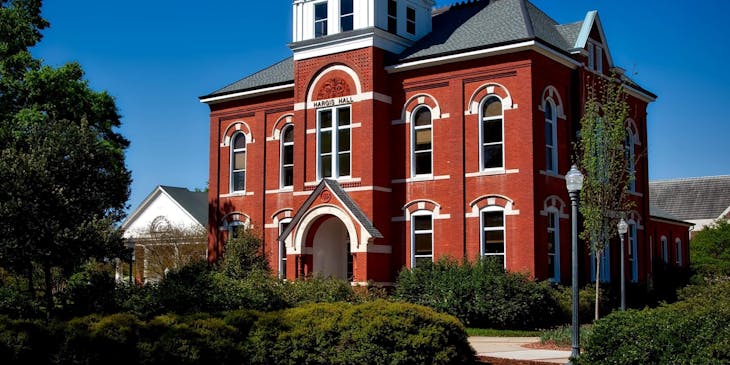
x=678 y=243
x=551 y=138
x=665 y=250
x=493 y=233
x=491 y=136
x=238 y=162
x=421 y=142
x=553 y=244
x=421 y=238
x=633 y=252
x=287 y=156
x=630 y=159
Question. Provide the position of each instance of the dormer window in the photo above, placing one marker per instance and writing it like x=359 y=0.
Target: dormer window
x=320 y=19
x=595 y=57
x=393 y=16
x=411 y=20
x=346 y=15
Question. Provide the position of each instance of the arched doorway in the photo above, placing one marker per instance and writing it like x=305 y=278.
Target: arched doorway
x=331 y=249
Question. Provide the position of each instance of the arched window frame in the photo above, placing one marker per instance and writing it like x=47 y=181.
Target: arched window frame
x=427 y=216
x=551 y=139
x=633 y=250
x=665 y=249
x=241 y=169
x=553 y=227
x=484 y=229
x=678 y=245
x=482 y=121
x=286 y=167
x=414 y=133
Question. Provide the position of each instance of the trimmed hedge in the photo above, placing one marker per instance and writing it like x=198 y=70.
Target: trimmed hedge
x=379 y=332
x=481 y=294
x=693 y=331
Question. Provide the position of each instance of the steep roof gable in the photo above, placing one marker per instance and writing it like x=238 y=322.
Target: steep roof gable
x=692 y=198
x=194 y=204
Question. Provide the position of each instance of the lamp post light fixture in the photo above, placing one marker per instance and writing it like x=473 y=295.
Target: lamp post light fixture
x=574 y=183
x=623 y=227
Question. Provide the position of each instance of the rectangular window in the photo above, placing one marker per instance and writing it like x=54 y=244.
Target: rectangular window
x=421 y=239
x=282 y=250
x=679 y=252
x=599 y=59
x=393 y=16
x=334 y=142
x=346 y=15
x=591 y=56
x=493 y=235
x=633 y=262
x=553 y=247
x=411 y=20
x=320 y=19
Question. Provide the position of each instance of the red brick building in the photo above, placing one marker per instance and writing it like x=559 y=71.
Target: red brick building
x=396 y=133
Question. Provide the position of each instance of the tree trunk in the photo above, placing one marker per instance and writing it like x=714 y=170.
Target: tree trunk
x=49 y=287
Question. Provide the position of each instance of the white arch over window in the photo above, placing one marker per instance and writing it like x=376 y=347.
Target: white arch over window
x=353 y=75
x=477 y=97
x=421 y=141
x=237 y=127
x=550 y=92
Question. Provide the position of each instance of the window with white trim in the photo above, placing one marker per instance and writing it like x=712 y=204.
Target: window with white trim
x=630 y=163
x=633 y=252
x=491 y=136
x=235 y=228
x=421 y=238
x=678 y=244
x=393 y=16
x=551 y=145
x=346 y=15
x=595 y=57
x=287 y=156
x=665 y=250
x=410 y=20
x=282 y=249
x=334 y=143
x=320 y=19
x=421 y=142
x=238 y=162
x=493 y=233
x=553 y=245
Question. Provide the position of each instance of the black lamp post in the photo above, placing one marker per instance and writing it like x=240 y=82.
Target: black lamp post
x=574 y=183
x=623 y=227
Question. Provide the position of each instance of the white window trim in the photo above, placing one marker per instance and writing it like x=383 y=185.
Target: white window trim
x=414 y=21
x=678 y=245
x=281 y=259
x=325 y=20
x=665 y=249
x=420 y=213
x=482 y=119
x=482 y=229
x=555 y=275
x=554 y=143
x=282 y=146
x=392 y=16
x=233 y=151
x=414 y=128
x=633 y=239
x=335 y=128
x=351 y=15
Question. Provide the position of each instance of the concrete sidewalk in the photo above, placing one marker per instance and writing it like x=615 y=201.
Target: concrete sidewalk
x=512 y=348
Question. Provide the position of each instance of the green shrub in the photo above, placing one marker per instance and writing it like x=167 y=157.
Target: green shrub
x=26 y=342
x=695 y=330
x=90 y=290
x=317 y=289
x=480 y=294
x=95 y=339
x=563 y=296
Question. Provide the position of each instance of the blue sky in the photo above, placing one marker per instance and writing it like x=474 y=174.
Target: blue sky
x=157 y=57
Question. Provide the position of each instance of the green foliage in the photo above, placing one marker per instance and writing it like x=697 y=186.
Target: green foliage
x=710 y=249
x=563 y=335
x=695 y=330
x=243 y=255
x=373 y=333
x=91 y=290
x=480 y=294
x=563 y=296
x=317 y=289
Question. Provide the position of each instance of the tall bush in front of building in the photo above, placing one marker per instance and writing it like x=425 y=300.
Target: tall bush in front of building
x=480 y=293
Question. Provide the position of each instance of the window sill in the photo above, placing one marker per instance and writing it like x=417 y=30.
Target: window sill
x=237 y=194
x=491 y=172
x=552 y=174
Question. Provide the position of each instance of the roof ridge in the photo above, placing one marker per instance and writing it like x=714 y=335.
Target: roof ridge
x=691 y=178
x=555 y=22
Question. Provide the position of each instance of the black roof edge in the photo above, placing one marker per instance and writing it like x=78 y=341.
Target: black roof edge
x=244 y=90
x=680 y=222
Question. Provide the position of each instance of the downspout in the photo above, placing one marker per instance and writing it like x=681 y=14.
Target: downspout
x=463 y=169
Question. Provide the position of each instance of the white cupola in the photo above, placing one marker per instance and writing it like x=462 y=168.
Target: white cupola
x=389 y=24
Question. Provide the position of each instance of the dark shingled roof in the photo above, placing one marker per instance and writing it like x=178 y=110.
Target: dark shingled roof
x=692 y=198
x=456 y=28
x=280 y=73
x=194 y=202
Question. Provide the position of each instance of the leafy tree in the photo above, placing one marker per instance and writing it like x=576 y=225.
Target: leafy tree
x=602 y=156
x=169 y=246
x=244 y=255
x=711 y=250
x=63 y=181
